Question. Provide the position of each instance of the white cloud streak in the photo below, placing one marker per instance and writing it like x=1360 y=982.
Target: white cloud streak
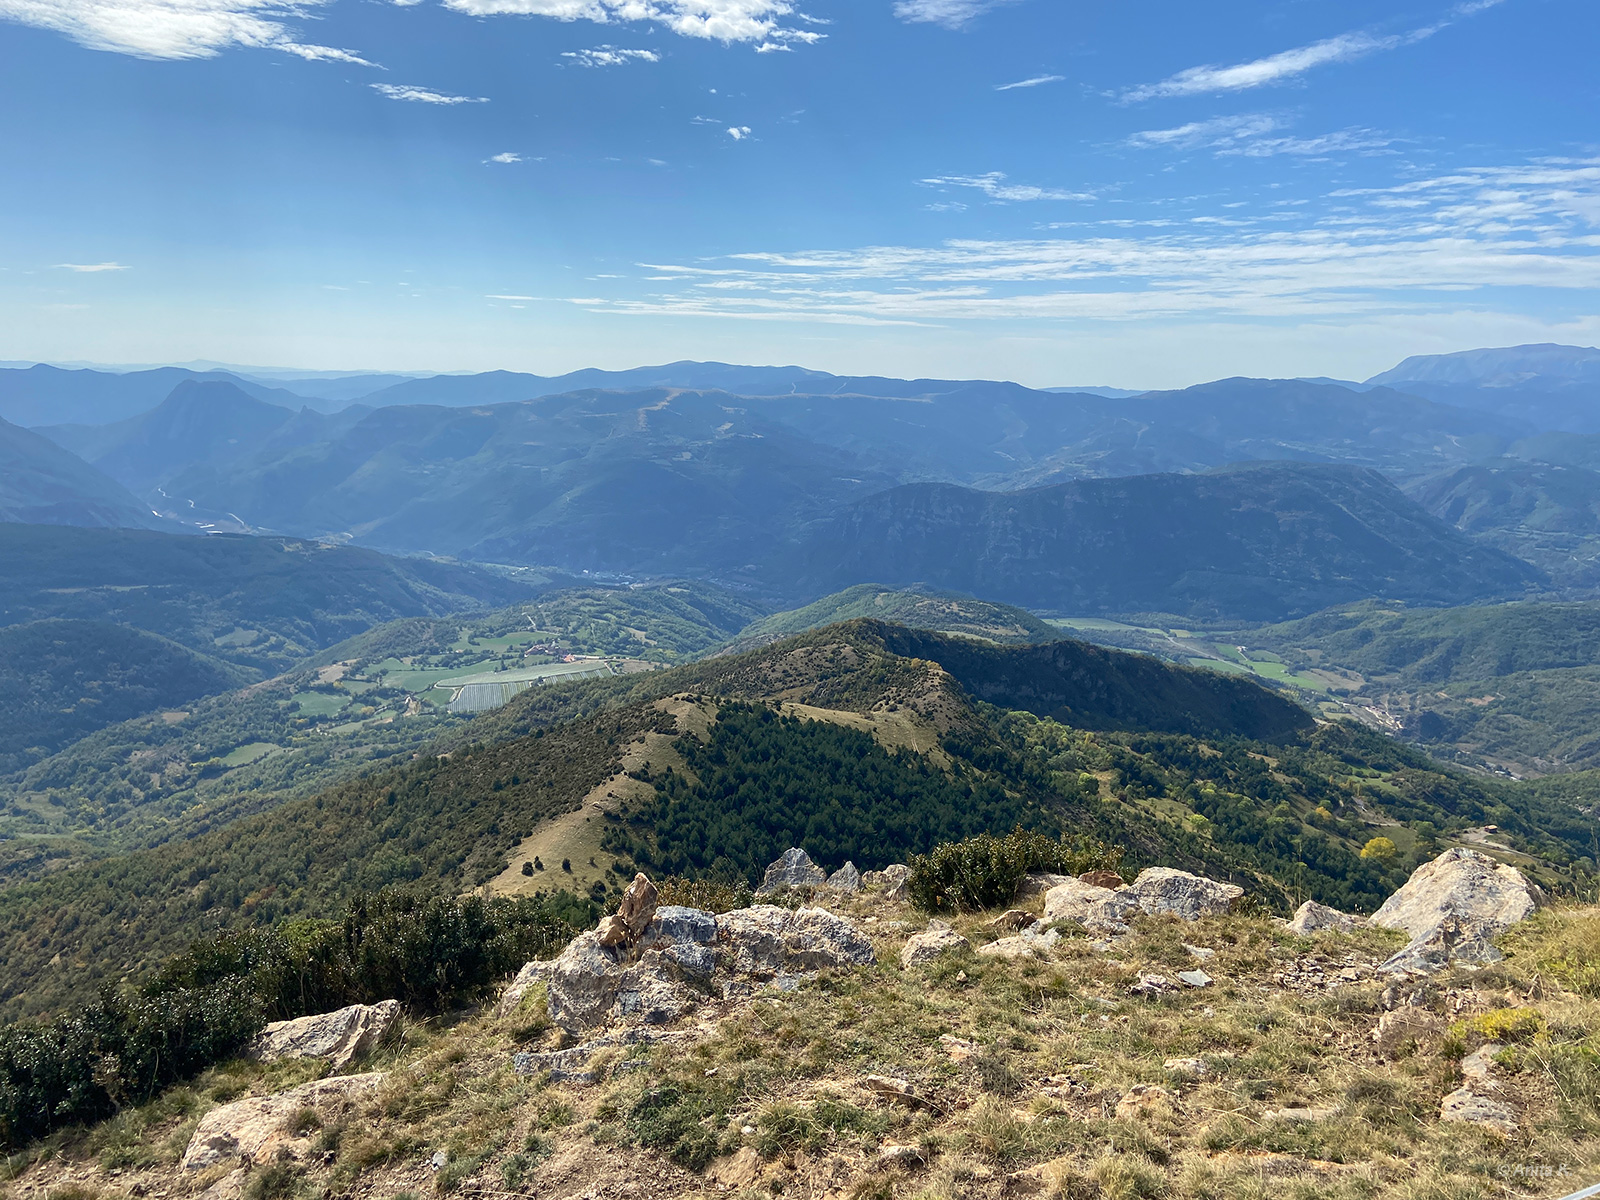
x=176 y=29
x=738 y=132
x=723 y=21
x=1247 y=135
x=91 y=268
x=1032 y=82
x=421 y=95
x=993 y=185
x=609 y=56
x=1376 y=253
x=952 y=14
x=505 y=156
x=1287 y=65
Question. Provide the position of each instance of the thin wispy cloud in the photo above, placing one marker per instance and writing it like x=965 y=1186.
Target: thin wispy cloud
x=505 y=156
x=92 y=268
x=993 y=185
x=421 y=95
x=511 y=297
x=176 y=29
x=1380 y=253
x=1249 y=135
x=952 y=14
x=1290 y=64
x=609 y=56
x=1033 y=82
x=725 y=21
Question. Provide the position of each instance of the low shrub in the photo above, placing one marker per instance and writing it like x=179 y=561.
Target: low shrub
x=429 y=952
x=711 y=895
x=984 y=871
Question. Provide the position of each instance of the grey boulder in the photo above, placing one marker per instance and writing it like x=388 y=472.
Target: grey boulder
x=1453 y=908
x=340 y=1037
x=1312 y=917
x=845 y=879
x=256 y=1127
x=1169 y=890
x=794 y=869
x=937 y=939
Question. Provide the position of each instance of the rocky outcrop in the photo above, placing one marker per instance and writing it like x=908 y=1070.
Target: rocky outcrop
x=685 y=955
x=794 y=870
x=1453 y=908
x=1033 y=939
x=766 y=942
x=1312 y=917
x=532 y=973
x=1104 y=910
x=892 y=880
x=258 y=1128
x=937 y=939
x=340 y=1037
x=1156 y=890
x=1475 y=1102
x=1169 y=890
x=845 y=879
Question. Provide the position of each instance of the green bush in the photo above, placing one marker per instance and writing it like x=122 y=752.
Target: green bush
x=984 y=871
x=202 y=1007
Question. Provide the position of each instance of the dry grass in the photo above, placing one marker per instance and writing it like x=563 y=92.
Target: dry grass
x=771 y=1097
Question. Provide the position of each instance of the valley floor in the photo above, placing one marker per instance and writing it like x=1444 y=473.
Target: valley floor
x=1297 y=1072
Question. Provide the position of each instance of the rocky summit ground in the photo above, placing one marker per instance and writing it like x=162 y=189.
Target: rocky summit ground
x=839 y=1045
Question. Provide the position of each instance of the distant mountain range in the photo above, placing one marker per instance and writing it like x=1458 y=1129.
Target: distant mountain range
x=1245 y=543
x=745 y=473
x=43 y=484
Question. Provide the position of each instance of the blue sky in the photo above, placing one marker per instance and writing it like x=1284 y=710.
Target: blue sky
x=1140 y=194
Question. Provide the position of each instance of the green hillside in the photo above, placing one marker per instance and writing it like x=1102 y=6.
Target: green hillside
x=62 y=680
x=917 y=608
x=1287 y=815
x=263 y=603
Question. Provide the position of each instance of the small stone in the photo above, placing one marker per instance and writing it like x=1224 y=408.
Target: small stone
x=1194 y=1068
x=1203 y=953
x=1152 y=985
x=890 y=1088
x=925 y=947
x=890 y=1155
x=1478 y=1066
x=959 y=1049
x=1143 y=1100
x=1472 y=1107
x=439 y=1161
x=1195 y=979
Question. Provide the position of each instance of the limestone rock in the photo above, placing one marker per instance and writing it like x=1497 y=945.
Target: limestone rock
x=638 y=905
x=1104 y=910
x=1012 y=920
x=845 y=879
x=531 y=973
x=254 y=1128
x=1471 y=1106
x=1169 y=890
x=685 y=954
x=1478 y=1067
x=1032 y=940
x=1038 y=883
x=795 y=869
x=613 y=931
x=1190 y=1068
x=892 y=879
x=1105 y=879
x=766 y=940
x=892 y=1155
x=1194 y=979
x=1453 y=907
x=338 y=1036
x=1312 y=917
x=937 y=939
